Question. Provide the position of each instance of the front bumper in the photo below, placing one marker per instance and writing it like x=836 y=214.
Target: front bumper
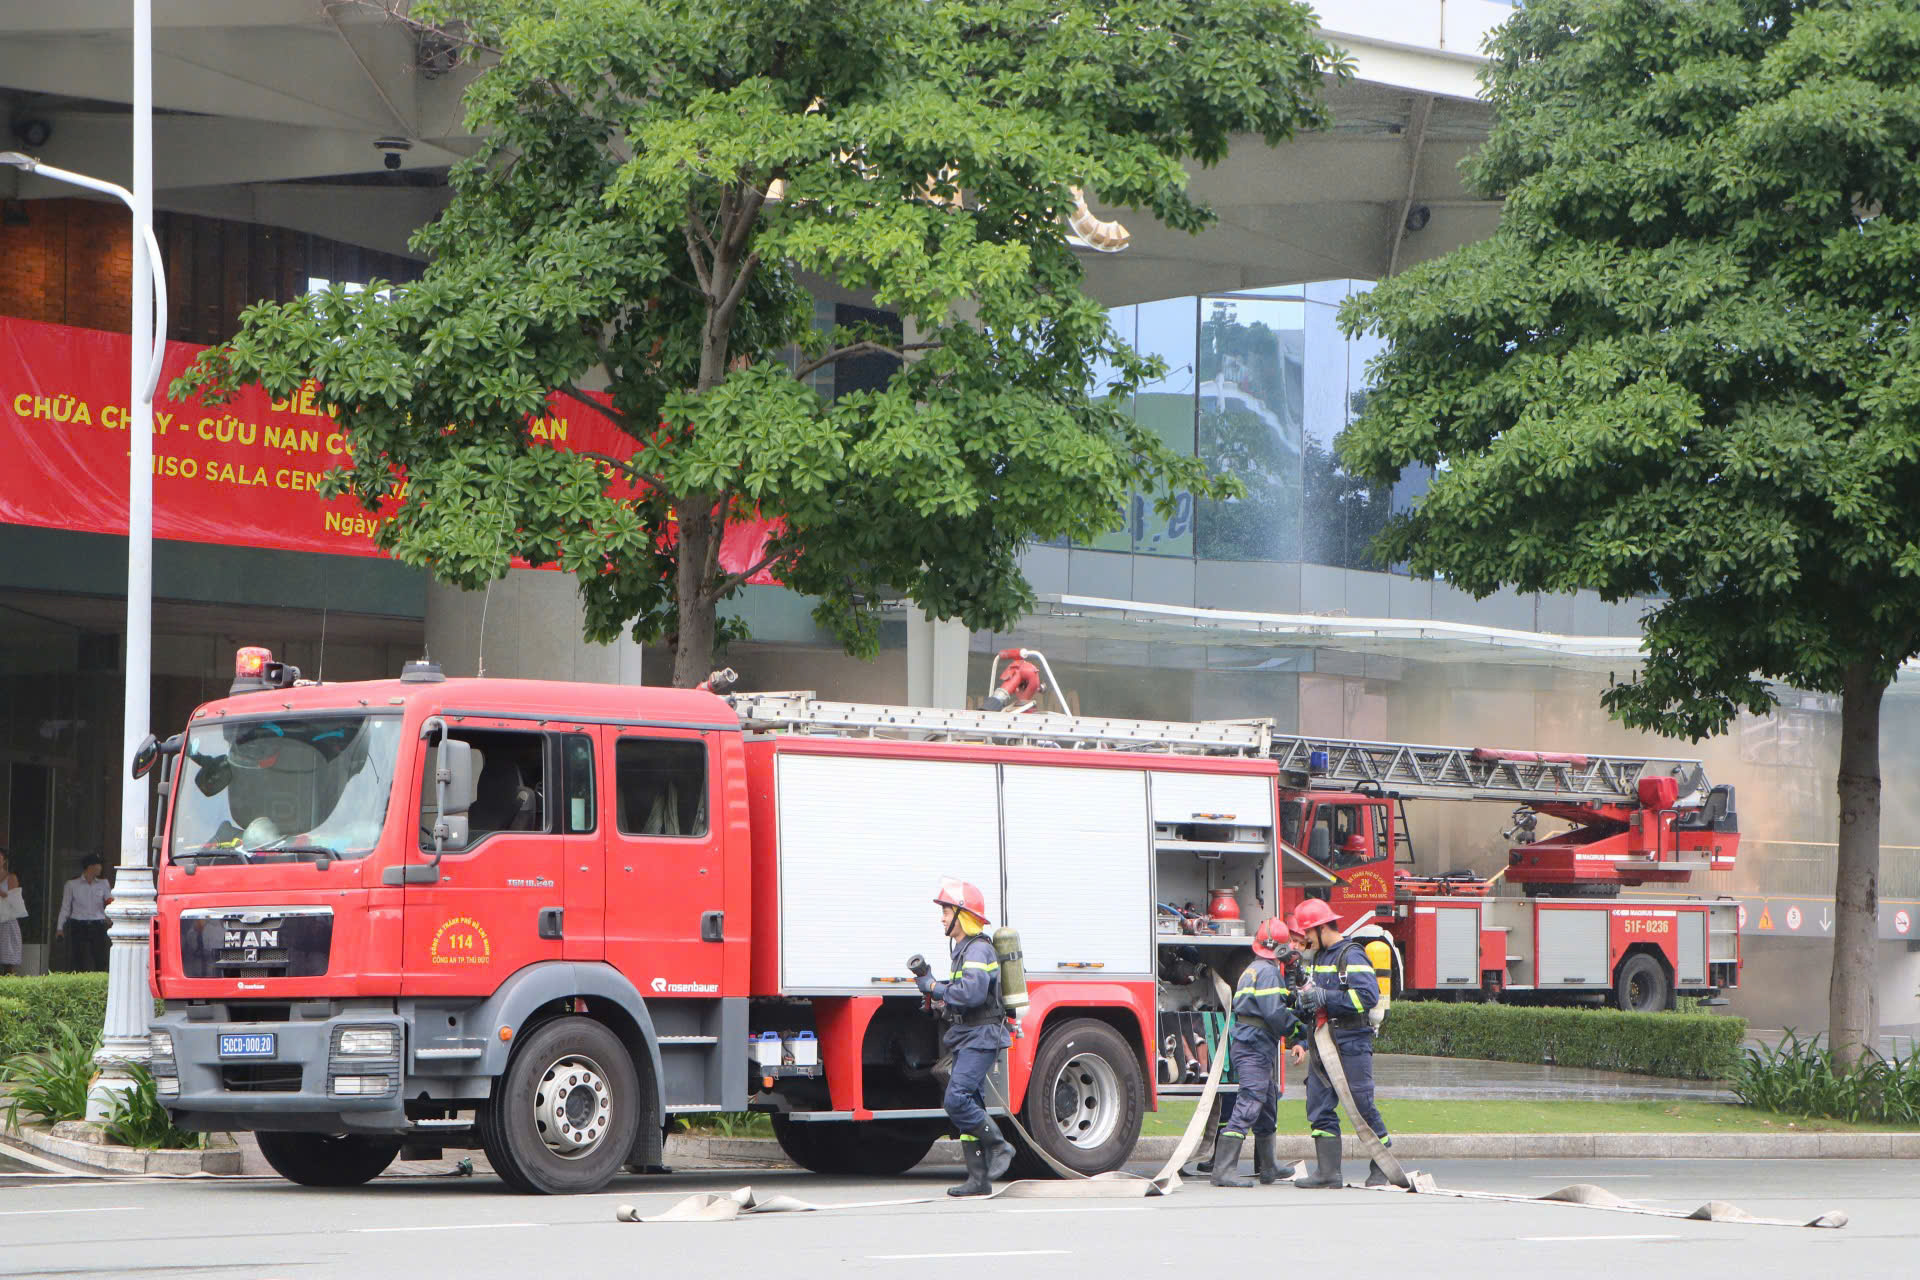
x=296 y=1090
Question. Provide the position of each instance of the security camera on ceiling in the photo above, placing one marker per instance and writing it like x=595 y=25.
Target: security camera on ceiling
x=32 y=133
x=393 y=147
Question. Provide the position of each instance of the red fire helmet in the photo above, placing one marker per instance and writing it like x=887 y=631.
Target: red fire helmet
x=958 y=893
x=1355 y=844
x=1269 y=937
x=1311 y=913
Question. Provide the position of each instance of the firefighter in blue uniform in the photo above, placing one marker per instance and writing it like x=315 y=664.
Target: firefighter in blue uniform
x=1262 y=1019
x=976 y=1034
x=1344 y=989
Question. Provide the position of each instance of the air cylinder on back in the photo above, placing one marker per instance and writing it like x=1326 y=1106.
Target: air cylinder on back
x=1013 y=971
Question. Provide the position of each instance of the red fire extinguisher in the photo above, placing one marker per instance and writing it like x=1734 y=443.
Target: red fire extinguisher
x=1223 y=905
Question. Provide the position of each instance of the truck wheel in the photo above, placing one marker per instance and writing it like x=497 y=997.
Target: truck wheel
x=873 y=1149
x=1642 y=985
x=1086 y=1097
x=321 y=1160
x=564 y=1116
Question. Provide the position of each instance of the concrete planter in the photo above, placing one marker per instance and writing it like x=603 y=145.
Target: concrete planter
x=78 y=1142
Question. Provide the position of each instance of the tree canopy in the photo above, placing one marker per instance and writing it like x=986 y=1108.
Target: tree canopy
x=1684 y=368
x=658 y=184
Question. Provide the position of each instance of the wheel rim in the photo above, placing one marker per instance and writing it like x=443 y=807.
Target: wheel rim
x=572 y=1107
x=1086 y=1100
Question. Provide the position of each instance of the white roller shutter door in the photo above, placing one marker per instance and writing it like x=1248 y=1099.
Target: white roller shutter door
x=1179 y=797
x=1079 y=859
x=863 y=844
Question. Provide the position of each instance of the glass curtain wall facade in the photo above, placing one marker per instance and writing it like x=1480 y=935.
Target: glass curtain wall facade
x=1258 y=384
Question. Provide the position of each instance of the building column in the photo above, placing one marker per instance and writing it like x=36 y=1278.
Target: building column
x=936 y=661
x=526 y=626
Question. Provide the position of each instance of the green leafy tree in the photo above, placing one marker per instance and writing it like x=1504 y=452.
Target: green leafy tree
x=657 y=181
x=1684 y=368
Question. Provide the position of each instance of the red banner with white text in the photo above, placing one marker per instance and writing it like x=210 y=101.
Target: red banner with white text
x=246 y=473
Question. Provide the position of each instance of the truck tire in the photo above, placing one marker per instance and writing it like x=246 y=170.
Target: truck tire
x=321 y=1160
x=873 y=1149
x=1641 y=986
x=564 y=1116
x=1085 y=1099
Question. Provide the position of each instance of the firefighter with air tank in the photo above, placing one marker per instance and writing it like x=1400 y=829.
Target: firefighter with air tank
x=1344 y=989
x=976 y=1035
x=1263 y=1017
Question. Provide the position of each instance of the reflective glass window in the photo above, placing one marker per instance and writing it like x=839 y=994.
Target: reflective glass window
x=1251 y=402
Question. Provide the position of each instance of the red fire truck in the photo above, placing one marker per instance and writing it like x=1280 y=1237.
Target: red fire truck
x=1637 y=823
x=546 y=919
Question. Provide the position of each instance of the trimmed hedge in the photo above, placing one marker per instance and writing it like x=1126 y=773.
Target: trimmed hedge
x=45 y=1004
x=1676 y=1045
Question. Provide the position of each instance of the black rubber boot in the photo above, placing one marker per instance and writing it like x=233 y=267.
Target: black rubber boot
x=1226 y=1160
x=973 y=1149
x=1376 y=1176
x=999 y=1152
x=1264 y=1167
x=1326 y=1165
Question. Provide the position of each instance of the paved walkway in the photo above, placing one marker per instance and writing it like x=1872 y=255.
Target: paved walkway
x=1411 y=1076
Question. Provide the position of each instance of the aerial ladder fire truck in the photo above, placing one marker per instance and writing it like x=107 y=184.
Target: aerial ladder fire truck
x=1574 y=932
x=549 y=919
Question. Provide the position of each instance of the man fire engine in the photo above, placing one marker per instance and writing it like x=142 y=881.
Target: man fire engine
x=549 y=919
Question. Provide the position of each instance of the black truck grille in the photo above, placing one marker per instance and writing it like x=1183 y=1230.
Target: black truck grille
x=255 y=944
x=261 y=1077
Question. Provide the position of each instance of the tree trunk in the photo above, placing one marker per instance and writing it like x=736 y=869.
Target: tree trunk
x=1853 y=1018
x=693 y=643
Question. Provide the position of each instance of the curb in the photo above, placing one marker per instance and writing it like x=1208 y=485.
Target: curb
x=83 y=1145
x=1462 y=1146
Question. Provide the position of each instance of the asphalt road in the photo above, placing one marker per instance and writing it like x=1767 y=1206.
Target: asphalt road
x=470 y=1228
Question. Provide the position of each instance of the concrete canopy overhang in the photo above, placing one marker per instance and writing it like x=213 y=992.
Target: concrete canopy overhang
x=268 y=111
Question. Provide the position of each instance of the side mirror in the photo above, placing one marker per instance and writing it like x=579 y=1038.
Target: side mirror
x=452 y=831
x=456 y=770
x=146 y=756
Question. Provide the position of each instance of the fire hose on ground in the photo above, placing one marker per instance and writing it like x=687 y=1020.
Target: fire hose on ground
x=724 y=1206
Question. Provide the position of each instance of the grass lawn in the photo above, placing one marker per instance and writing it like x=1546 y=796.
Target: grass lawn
x=1509 y=1116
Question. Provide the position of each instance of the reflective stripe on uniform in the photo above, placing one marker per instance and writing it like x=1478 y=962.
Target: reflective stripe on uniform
x=1258 y=991
x=1356 y=999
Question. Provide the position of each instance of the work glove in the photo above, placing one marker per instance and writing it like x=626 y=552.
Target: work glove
x=1310 y=999
x=924 y=981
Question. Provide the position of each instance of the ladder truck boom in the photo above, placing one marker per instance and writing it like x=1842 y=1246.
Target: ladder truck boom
x=1476 y=773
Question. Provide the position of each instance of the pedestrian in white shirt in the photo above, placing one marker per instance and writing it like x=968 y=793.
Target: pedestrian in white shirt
x=13 y=909
x=84 y=906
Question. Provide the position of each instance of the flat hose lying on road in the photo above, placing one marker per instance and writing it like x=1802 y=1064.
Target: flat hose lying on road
x=716 y=1206
x=1581 y=1194
x=1120 y=1185
x=1584 y=1195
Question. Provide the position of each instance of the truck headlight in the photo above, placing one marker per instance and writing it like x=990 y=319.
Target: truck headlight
x=369 y=1042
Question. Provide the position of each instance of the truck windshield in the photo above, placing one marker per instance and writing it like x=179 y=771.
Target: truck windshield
x=290 y=789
